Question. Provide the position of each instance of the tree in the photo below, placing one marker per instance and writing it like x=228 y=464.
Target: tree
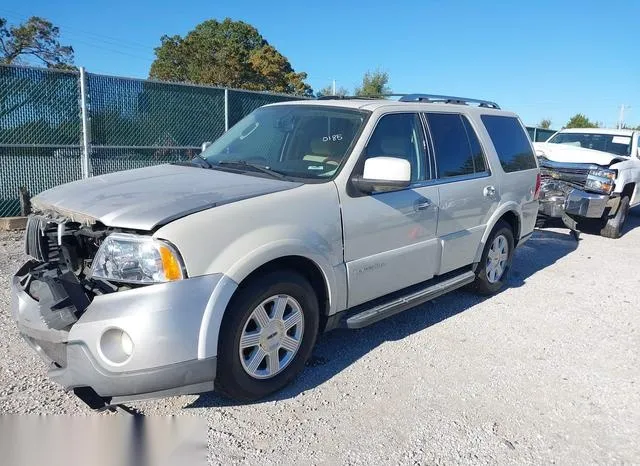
x=35 y=41
x=374 y=83
x=579 y=120
x=545 y=123
x=328 y=90
x=228 y=53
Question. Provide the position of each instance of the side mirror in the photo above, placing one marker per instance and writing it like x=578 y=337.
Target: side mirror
x=384 y=174
x=205 y=145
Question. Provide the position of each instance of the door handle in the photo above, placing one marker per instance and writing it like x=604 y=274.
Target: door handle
x=422 y=205
x=489 y=191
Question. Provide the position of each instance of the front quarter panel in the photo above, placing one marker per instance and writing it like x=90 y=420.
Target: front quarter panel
x=628 y=172
x=235 y=239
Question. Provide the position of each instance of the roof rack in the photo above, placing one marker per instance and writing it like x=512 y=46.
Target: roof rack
x=447 y=99
x=431 y=98
x=359 y=97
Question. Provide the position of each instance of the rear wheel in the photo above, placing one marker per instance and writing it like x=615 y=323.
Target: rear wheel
x=495 y=263
x=613 y=227
x=267 y=335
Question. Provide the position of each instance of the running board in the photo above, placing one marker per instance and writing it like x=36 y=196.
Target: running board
x=382 y=311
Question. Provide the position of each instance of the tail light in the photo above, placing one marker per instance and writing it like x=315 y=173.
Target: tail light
x=536 y=193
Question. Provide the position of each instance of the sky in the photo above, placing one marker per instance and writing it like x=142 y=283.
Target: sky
x=540 y=59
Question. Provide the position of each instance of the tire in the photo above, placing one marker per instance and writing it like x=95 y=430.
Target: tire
x=488 y=283
x=614 y=225
x=245 y=374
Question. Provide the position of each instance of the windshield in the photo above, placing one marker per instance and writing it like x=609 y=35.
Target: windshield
x=295 y=140
x=612 y=143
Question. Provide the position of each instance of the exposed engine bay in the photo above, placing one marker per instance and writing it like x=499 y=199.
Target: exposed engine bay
x=58 y=277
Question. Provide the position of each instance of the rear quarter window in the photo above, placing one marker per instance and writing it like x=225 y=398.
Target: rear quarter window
x=511 y=142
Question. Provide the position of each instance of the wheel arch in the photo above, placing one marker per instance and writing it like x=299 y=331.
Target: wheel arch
x=629 y=190
x=310 y=265
x=511 y=214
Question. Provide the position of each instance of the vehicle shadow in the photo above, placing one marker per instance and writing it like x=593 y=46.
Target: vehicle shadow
x=337 y=350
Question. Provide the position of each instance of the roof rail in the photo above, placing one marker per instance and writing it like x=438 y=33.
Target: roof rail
x=447 y=99
x=417 y=98
x=360 y=97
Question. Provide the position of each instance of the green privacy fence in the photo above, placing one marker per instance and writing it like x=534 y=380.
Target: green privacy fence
x=57 y=126
x=540 y=134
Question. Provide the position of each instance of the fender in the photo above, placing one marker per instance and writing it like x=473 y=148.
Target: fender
x=245 y=265
x=628 y=172
x=509 y=206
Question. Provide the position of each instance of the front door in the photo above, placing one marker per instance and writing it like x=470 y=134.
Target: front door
x=390 y=237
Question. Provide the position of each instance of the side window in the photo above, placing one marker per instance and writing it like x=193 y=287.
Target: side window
x=511 y=142
x=454 y=144
x=400 y=135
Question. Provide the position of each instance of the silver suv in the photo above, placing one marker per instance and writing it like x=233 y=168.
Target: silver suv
x=303 y=217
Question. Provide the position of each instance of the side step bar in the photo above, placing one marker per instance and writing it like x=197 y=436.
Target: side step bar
x=382 y=311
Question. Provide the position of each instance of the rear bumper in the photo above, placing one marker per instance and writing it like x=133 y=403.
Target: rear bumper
x=163 y=322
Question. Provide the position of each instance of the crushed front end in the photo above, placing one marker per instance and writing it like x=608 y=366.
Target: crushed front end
x=108 y=341
x=576 y=193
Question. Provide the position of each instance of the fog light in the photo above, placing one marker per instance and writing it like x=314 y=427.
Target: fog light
x=116 y=346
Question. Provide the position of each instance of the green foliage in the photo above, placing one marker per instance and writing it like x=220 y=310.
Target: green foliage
x=328 y=90
x=33 y=42
x=545 y=123
x=374 y=83
x=579 y=120
x=230 y=54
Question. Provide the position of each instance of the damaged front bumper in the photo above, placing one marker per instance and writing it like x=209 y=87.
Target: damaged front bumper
x=577 y=203
x=160 y=357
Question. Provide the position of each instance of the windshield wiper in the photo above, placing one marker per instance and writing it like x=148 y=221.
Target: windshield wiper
x=244 y=164
x=202 y=161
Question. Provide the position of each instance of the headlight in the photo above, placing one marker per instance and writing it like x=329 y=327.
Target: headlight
x=137 y=259
x=601 y=180
x=603 y=173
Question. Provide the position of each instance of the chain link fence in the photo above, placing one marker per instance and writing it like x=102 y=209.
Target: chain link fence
x=130 y=123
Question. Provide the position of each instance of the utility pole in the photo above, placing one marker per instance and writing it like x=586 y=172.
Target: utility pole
x=334 y=87
x=623 y=107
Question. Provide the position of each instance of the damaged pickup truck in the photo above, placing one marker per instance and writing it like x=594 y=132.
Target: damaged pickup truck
x=590 y=178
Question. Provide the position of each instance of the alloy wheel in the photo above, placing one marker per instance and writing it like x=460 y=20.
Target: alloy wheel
x=271 y=336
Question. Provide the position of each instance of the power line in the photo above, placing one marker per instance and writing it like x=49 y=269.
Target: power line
x=105 y=38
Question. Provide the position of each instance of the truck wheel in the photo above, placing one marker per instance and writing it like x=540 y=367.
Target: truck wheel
x=267 y=335
x=493 y=270
x=614 y=225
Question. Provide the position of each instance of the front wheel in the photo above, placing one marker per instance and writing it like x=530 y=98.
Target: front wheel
x=614 y=225
x=493 y=270
x=267 y=335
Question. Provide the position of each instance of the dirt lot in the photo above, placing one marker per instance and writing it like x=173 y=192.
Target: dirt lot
x=546 y=372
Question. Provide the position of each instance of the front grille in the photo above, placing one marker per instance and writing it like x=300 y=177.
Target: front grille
x=575 y=177
x=573 y=174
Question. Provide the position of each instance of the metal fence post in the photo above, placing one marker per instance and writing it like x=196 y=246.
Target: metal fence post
x=86 y=129
x=226 y=109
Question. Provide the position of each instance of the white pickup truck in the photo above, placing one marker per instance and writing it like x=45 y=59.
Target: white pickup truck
x=590 y=176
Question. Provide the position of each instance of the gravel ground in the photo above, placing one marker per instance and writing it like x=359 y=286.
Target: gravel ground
x=548 y=371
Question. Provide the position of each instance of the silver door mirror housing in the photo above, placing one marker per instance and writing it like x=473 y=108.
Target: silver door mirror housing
x=384 y=174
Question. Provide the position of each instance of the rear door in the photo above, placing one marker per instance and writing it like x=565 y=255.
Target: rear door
x=390 y=237
x=468 y=191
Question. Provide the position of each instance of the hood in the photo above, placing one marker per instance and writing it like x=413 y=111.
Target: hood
x=144 y=198
x=573 y=154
